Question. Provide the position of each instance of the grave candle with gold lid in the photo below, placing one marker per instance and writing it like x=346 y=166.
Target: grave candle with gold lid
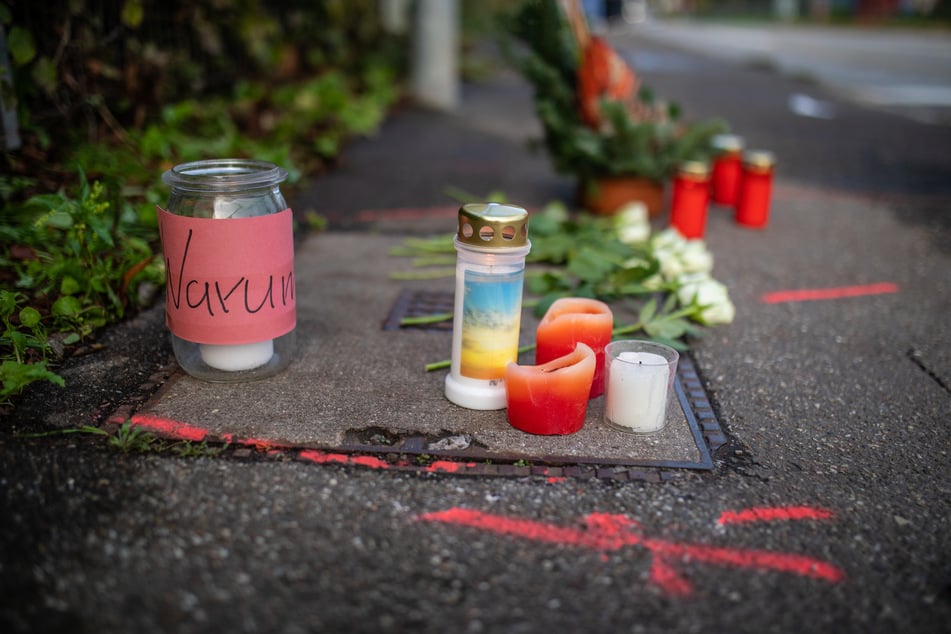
x=491 y=245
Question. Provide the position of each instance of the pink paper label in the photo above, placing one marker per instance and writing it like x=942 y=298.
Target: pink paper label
x=229 y=281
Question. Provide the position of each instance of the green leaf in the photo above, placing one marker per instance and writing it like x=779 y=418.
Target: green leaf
x=19 y=340
x=155 y=143
x=648 y=311
x=132 y=13
x=589 y=265
x=670 y=303
x=8 y=302
x=69 y=286
x=545 y=303
x=676 y=344
x=45 y=74
x=668 y=329
x=66 y=306
x=21 y=45
x=554 y=248
x=327 y=145
x=547 y=282
x=15 y=376
x=30 y=317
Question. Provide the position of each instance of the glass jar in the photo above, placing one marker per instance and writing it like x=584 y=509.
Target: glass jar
x=228 y=241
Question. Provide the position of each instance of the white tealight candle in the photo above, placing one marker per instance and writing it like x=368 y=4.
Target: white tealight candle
x=235 y=358
x=637 y=391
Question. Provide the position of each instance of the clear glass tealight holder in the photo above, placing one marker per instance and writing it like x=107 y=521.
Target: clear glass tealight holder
x=638 y=385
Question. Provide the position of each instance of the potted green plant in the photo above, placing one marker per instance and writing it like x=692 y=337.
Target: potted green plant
x=599 y=124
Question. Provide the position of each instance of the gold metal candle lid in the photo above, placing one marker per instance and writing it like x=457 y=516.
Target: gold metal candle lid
x=493 y=225
x=696 y=170
x=727 y=143
x=759 y=160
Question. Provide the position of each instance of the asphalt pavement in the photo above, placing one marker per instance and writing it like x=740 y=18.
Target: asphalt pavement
x=826 y=508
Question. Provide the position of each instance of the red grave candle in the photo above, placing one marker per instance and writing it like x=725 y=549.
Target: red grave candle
x=752 y=204
x=688 y=208
x=570 y=320
x=727 y=169
x=551 y=398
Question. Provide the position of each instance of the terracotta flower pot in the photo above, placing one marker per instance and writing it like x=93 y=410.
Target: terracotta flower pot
x=605 y=196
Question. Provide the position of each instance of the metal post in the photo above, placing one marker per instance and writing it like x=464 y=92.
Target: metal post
x=435 y=74
x=8 y=102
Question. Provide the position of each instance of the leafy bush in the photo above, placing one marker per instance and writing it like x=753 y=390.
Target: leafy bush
x=109 y=95
x=651 y=144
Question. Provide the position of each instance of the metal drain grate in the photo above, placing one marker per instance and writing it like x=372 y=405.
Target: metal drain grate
x=699 y=404
x=700 y=417
x=416 y=303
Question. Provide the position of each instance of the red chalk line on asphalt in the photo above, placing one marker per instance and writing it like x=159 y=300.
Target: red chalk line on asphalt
x=772 y=514
x=605 y=532
x=838 y=292
x=184 y=431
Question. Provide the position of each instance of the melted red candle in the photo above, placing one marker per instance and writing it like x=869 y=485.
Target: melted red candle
x=570 y=320
x=551 y=398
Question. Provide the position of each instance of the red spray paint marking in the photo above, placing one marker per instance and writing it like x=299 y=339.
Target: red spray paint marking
x=173 y=428
x=607 y=532
x=770 y=514
x=257 y=443
x=369 y=461
x=184 y=431
x=447 y=466
x=323 y=457
x=812 y=294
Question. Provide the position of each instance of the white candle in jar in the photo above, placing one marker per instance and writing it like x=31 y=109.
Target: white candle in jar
x=238 y=357
x=637 y=391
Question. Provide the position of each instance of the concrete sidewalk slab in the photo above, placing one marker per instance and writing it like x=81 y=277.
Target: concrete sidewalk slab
x=353 y=382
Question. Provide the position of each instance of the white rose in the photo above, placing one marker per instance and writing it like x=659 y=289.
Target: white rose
x=696 y=258
x=556 y=210
x=713 y=296
x=668 y=246
x=654 y=282
x=671 y=264
x=631 y=223
x=668 y=239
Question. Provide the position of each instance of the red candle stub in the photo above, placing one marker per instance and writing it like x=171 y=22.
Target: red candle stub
x=571 y=320
x=727 y=169
x=551 y=398
x=688 y=208
x=752 y=204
